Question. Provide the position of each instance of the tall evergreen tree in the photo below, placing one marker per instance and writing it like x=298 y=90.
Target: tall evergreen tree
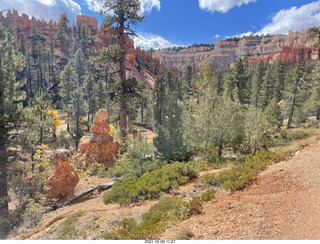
x=123 y=13
x=89 y=86
x=79 y=66
x=169 y=141
x=11 y=94
x=279 y=80
x=296 y=85
x=267 y=88
x=68 y=79
x=313 y=103
x=236 y=84
x=256 y=84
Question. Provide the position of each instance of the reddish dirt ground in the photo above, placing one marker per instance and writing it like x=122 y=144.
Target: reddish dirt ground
x=282 y=204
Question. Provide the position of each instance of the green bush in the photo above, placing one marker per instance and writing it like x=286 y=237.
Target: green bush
x=208 y=195
x=297 y=134
x=68 y=230
x=97 y=169
x=194 y=206
x=243 y=173
x=130 y=189
x=155 y=221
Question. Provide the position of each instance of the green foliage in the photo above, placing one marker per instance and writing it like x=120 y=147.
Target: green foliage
x=236 y=84
x=208 y=195
x=150 y=185
x=194 y=207
x=62 y=141
x=97 y=169
x=300 y=115
x=273 y=116
x=154 y=222
x=78 y=163
x=138 y=158
x=168 y=115
x=68 y=230
x=243 y=173
x=297 y=134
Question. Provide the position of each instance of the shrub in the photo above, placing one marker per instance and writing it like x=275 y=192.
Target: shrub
x=208 y=195
x=243 y=173
x=97 y=169
x=155 y=221
x=130 y=189
x=297 y=134
x=78 y=163
x=194 y=206
x=68 y=230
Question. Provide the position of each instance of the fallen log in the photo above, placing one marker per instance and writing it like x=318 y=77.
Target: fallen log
x=83 y=195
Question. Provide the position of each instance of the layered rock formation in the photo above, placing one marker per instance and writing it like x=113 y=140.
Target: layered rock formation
x=61 y=184
x=98 y=38
x=294 y=46
x=100 y=147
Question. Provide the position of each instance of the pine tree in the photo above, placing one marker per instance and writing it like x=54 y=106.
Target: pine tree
x=313 y=103
x=169 y=141
x=68 y=79
x=159 y=100
x=79 y=66
x=37 y=124
x=61 y=35
x=100 y=94
x=11 y=95
x=296 y=85
x=236 y=84
x=77 y=116
x=125 y=14
x=256 y=84
x=267 y=89
x=279 y=80
x=187 y=77
x=89 y=92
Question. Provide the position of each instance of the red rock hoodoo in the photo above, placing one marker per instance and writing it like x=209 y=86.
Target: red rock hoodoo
x=61 y=184
x=100 y=147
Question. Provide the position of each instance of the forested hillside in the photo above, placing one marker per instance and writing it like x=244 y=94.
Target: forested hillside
x=53 y=84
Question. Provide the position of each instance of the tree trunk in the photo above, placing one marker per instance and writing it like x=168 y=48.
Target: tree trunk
x=4 y=208
x=77 y=126
x=220 y=149
x=142 y=106
x=123 y=102
x=292 y=108
x=318 y=113
x=68 y=125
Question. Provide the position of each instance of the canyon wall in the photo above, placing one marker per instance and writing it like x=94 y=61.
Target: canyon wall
x=98 y=38
x=294 y=46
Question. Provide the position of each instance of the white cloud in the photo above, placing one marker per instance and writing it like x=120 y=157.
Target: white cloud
x=216 y=36
x=145 y=7
x=222 y=6
x=147 y=41
x=294 y=19
x=44 y=9
x=249 y=33
x=94 y=5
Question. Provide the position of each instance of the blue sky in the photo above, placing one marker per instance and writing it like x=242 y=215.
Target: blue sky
x=185 y=22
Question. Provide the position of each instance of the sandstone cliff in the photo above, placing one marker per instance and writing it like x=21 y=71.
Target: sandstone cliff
x=294 y=46
x=98 y=38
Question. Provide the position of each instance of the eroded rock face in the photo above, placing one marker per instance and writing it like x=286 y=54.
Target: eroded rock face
x=60 y=186
x=294 y=46
x=100 y=147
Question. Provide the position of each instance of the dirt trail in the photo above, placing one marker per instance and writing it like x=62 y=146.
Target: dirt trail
x=283 y=203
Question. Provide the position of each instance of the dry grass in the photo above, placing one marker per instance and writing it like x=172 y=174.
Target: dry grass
x=297 y=144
